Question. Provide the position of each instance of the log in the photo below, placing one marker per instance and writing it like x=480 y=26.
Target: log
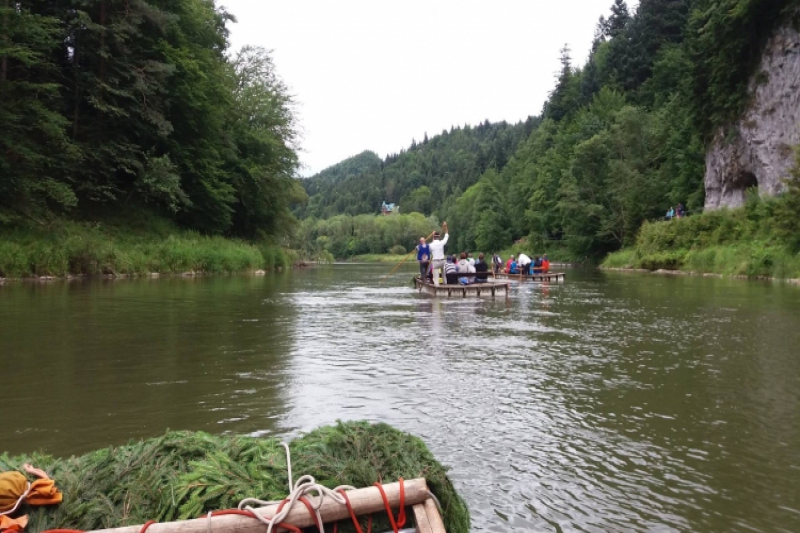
x=421 y=519
x=364 y=501
x=434 y=518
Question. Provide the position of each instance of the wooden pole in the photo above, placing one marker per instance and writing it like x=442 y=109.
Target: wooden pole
x=364 y=501
x=434 y=518
x=421 y=519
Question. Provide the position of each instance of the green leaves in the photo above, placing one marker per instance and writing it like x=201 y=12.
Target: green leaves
x=128 y=101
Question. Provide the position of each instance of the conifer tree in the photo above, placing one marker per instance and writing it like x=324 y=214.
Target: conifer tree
x=619 y=18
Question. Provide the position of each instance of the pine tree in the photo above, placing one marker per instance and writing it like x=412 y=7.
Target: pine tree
x=619 y=18
x=562 y=99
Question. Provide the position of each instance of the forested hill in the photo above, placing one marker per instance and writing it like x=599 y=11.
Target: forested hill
x=426 y=177
x=620 y=139
x=133 y=103
x=624 y=136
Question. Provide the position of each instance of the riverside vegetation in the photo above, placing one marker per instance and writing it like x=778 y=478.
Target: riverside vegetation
x=620 y=140
x=762 y=239
x=113 y=106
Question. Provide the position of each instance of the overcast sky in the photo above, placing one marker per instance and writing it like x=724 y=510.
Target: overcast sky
x=373 y=75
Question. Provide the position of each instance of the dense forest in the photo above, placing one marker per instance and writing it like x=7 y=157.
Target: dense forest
x=421 y=178
x=620 y=139
x=108 y=105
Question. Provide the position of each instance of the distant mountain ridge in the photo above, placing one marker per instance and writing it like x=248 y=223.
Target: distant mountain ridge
x=421 y=178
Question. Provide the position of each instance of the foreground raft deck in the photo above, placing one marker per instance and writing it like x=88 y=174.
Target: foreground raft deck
x=557 y=277
x=415 y=494
x=487 y=288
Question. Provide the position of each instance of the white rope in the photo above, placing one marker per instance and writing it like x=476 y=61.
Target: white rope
x=19 y=501
x=305 y=486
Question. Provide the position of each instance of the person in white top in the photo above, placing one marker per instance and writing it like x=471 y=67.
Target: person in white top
x=464 y=267
x=437 y=254
x=524 y=263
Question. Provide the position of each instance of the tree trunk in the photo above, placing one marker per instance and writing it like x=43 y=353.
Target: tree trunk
x=77 y=93
x=4 y=61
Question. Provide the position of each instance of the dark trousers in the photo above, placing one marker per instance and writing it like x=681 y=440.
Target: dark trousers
x=423 y=269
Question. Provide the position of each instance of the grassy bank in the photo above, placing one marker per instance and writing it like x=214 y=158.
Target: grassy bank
x=185 y=475
x=760 y=239
x=131 y=247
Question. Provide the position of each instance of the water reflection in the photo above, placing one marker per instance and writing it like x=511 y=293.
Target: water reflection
x=609 y=402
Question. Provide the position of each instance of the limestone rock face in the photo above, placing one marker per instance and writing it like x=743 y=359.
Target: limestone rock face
x=760 y=152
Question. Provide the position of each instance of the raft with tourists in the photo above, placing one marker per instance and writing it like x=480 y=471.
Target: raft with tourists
x=486 y=288
x=557 y=277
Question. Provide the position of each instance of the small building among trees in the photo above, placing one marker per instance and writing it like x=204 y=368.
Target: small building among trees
x=389 y=209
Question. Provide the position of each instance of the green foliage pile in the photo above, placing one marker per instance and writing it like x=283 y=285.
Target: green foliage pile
x=127 y=248
x=123 y=102
x=346 y=236
x=184 y=475
x=620 y=140
x=760 y=239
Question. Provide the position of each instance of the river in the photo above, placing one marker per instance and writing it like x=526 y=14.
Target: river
x=610 y=402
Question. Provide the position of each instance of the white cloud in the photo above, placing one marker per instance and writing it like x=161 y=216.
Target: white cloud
x=375 y=74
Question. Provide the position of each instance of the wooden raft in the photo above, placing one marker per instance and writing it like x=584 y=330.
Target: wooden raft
x=364 y=501
x=487 y=288
x=539 y=276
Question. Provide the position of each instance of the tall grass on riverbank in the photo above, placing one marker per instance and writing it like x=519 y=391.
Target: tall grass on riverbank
x=184 y=475
x=760 y=239
x=83 y=248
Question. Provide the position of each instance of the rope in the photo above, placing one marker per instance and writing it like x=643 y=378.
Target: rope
x=302 y=491
x=401 y=514
x=19 y=501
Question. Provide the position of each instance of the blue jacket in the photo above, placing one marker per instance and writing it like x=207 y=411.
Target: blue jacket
x=423 y=250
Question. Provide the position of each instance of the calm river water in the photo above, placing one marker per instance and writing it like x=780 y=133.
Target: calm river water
x=611 y=402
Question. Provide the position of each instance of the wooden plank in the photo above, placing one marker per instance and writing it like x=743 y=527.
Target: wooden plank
x=421 y=519
x=364 y=501
x=434 y=518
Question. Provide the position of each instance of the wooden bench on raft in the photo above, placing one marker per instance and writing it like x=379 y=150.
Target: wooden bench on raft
x=536 y=276
x=483 y=288
x=358 y=502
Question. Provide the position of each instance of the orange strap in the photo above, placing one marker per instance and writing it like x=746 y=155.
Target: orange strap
x=401 y=514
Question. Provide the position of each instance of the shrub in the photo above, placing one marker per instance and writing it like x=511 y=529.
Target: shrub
x=397 y=250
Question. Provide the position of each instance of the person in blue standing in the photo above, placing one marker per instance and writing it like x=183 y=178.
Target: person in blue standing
x=424 y=258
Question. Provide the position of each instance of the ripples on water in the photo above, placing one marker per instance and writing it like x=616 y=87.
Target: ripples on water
x=610 y=402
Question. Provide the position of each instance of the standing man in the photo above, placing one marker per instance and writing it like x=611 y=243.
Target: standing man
x=424 y=258
x=437 y=254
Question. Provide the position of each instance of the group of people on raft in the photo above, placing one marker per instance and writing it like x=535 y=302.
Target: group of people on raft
x=525 y=265
x=464 y=269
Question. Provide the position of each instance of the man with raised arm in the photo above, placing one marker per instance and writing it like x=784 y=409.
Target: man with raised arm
x=437 y=254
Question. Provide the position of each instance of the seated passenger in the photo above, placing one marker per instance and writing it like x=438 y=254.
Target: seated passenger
x=464 y=267
x=537 y=266
x=545 y=264
x=451 y=271
x=513 y=269
x=481 y=269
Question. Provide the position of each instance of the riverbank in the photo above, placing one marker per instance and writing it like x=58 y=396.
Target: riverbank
x=756 y=241
x=144 y=246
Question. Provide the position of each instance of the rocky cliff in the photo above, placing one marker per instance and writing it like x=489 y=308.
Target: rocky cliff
x=758 y=152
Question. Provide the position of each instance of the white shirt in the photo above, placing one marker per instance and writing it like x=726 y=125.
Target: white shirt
x=437 y=248
x=523 y=260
